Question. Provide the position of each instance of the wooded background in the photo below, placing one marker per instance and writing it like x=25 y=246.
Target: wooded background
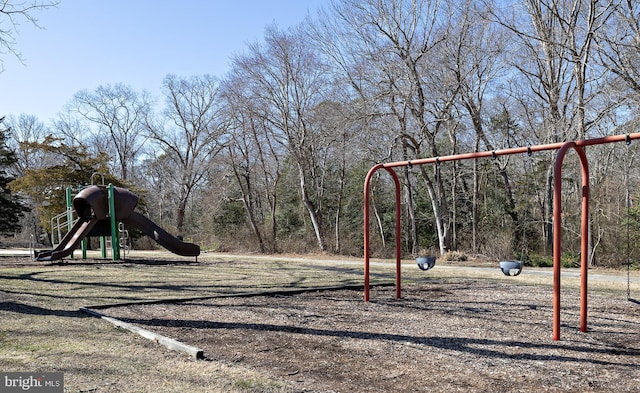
x=272 y=156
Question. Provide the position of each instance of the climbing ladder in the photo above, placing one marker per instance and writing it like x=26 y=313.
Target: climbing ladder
x=123 y=239
x=61 y=224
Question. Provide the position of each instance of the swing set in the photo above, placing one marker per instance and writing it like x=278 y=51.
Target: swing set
x=562 y=148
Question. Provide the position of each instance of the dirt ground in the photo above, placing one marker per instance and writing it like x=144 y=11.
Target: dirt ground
x=455 y=329
x=443 y=336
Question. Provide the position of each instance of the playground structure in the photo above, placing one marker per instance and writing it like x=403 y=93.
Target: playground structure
x=101 y=211
x=63 y=223
x=563 y=148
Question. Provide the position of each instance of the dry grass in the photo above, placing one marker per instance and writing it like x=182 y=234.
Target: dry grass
x=42 y=329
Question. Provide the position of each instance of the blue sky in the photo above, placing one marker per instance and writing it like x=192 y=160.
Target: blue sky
x=88 y=43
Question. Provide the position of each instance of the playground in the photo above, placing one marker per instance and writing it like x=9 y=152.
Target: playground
x=274 y=324
x=192 y=321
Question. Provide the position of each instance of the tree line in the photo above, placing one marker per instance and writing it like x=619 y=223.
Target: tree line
x=271 y=157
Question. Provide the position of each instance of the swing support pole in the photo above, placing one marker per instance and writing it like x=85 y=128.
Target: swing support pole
x=563 y=147
x=557 y=236
x=366 y=231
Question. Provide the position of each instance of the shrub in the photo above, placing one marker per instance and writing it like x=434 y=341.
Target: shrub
x=454 y=256
x=570 y=260
x=536 y=260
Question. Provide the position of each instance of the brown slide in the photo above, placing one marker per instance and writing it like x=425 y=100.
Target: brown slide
x=161 y=236
x=70 y=241
x=91 y=205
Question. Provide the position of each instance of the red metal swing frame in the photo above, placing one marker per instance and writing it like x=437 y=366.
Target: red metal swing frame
x=563 y=148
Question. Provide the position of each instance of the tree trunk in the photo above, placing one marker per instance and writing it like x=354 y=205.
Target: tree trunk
x=182 y=208
x=411 y=209
x=440 y=209
x=308 y=204
x=378 y=219
x=337 y=218
x=252 y=221
x=274 y=225
x=548 y=211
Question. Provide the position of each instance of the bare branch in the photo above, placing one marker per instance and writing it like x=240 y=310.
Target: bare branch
x=12 y=14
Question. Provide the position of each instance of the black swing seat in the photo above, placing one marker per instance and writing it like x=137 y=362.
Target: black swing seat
x=511 y=268
x=426 y=263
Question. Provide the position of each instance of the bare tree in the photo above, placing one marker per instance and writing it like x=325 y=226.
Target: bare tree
x=243 y=168
x=76 y=130
x=396 y=67
x=476 y=52
x=119 y=115
x=193 y=131
x=338 y=123
x=556 y=61
x=162 y=177
x=288 y=78
x=255 y=158
x=619 y=48
x=12 y=13
x=25 y=129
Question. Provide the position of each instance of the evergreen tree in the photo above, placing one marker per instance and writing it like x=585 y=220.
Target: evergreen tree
x=67 y=166
x=10 y=207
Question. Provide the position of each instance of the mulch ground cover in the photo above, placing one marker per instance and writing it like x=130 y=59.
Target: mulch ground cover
x=444 y=335
x=456 y=328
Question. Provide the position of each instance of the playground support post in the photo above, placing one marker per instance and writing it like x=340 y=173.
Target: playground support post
x=115 y=239
x=103 y=247
x=68 y=199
